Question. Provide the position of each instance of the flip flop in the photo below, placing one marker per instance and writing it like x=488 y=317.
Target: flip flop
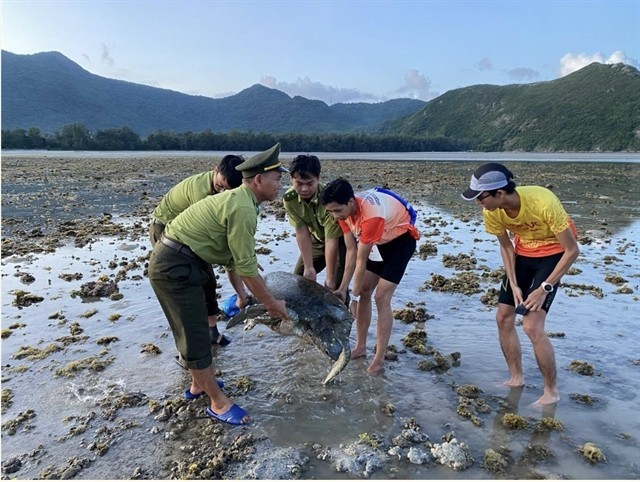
x=214 y=334
x=232 y=416
x=192 y=396
x=224 y=341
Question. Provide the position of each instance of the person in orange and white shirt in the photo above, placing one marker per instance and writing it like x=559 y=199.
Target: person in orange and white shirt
x=380 y=239
x=542 y=251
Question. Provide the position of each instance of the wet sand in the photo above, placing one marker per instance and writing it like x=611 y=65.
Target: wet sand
x=49 y=204
x=40 y=195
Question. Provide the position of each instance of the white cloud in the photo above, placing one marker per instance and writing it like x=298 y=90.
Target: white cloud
x=305 y=87
x=485 y=64
x=416 y=86
x=518 y=74
x=269 y=81
x=106 y=56
x=522 y=74
x=571 y=62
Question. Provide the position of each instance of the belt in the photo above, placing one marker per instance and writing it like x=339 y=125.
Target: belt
x=157 y=221
x=179 y=247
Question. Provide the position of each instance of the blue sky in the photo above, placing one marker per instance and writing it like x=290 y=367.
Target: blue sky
x=335 y=51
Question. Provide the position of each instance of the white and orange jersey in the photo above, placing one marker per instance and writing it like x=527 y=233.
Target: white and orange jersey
x=379 y=218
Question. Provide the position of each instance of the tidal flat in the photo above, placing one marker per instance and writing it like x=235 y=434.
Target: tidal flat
x=90 y=388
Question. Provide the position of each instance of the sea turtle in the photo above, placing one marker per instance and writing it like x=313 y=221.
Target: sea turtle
x=316 y=314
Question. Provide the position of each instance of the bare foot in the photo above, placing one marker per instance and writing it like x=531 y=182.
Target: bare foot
x=358 y=353
x=545 y=400
x=507 y=384
x=375 y=370
x=514 y=382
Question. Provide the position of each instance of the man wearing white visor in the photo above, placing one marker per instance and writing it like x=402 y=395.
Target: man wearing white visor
x=542 y=251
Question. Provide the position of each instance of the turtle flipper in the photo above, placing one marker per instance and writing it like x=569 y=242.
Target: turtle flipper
x=253 y=311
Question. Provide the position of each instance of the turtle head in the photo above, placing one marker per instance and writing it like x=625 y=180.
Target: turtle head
x=339 y=365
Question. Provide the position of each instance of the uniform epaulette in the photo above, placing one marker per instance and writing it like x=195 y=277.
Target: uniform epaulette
x=289 y=195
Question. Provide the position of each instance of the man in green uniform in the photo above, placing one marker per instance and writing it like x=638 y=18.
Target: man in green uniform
x=187 y=192
x=216 y=230
x=318 y=235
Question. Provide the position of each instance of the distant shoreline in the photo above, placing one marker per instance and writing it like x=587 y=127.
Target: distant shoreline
x=617 y=157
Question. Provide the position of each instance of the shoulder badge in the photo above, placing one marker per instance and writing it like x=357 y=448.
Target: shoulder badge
x=289 y=195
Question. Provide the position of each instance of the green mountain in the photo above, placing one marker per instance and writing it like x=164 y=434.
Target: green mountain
x=370 y=116
x=47 y=90
x=596 y=108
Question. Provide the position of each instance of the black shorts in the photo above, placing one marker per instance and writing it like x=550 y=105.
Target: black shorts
x=530 y=273
x=395 y=258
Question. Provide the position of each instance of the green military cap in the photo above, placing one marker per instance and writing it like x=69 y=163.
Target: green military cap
x=264 y=162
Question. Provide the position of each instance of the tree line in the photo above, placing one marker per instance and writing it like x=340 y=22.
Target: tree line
x=76 y=137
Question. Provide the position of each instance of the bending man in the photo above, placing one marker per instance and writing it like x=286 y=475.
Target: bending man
x=187 y=192
x=386 y=237
x=216 y=230
x=318 y=235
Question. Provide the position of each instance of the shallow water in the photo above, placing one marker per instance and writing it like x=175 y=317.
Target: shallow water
x=287 y=401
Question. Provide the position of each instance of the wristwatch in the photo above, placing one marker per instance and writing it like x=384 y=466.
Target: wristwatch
x=548 y=287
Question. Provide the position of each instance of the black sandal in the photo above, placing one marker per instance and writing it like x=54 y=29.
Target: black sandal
x=217 y=338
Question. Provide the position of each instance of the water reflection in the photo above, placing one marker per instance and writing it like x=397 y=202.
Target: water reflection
x=537 y=449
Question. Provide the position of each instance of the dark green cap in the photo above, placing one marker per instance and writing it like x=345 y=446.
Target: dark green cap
x=264 y=162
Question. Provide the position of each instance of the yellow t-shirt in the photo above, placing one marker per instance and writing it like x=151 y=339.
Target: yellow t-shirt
x=541 y=217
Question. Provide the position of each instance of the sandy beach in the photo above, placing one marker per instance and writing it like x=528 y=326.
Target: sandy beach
x=90 y=389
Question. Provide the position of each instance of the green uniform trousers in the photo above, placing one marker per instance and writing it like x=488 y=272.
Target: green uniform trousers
x=155 y=233
x=178 y=281
x=319 y=262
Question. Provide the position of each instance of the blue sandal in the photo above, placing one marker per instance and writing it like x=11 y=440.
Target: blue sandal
x=193 y=396
x=233 y=416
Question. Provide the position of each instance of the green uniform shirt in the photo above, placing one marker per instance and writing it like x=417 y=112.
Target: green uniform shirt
x=311 y=214
x=221 y=230
x=184 y=194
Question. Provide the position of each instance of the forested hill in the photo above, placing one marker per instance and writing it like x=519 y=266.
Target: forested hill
x=596 y=108
x=47 y=91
